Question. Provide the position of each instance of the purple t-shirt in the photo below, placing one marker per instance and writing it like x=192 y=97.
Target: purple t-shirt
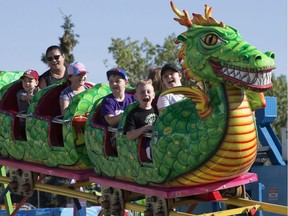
x=111 y=106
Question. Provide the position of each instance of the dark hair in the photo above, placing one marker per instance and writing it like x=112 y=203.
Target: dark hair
x=53 y=47
x=169 y=67
x=155 y=75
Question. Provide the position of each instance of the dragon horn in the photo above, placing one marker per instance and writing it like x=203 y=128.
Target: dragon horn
x=184 y=18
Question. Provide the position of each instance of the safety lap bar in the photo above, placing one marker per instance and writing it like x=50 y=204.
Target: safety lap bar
x=147 y=134
x=23 y=115
x=59 y=119
x=112 y=129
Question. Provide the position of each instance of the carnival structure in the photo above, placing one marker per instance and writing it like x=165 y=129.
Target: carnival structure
x=203 y=147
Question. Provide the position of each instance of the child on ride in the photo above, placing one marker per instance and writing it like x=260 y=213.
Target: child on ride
x=171 y=77
x=155 y=75
x=114 y=104
x=30 y=80
x=142 y=118
x=77 y=75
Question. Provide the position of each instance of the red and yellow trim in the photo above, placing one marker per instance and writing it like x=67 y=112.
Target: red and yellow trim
x=238 y=150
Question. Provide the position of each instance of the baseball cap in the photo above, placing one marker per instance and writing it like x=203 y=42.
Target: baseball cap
x=117 y=71
x=76 y=68
x=33 y=74
x=169 y=67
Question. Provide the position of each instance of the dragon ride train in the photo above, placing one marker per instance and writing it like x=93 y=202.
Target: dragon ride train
x=208 y=137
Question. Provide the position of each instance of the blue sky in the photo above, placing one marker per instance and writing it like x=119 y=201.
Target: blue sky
x=28 y=27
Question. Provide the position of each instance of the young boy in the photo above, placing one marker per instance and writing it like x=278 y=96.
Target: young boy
x=171 y=77
x=30 y=87
x=77 y=75
x=114 y=104
x=142 y=118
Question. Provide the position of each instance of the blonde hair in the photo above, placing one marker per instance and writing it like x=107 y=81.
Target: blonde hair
x=155 y=75
x=144 y=82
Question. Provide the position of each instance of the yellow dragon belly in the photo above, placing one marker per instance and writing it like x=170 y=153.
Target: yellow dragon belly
x=238 y=150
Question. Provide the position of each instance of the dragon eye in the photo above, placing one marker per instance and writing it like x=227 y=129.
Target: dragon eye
x=211 y=39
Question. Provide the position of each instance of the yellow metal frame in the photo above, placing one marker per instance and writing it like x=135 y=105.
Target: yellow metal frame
x=241 y=205
x=7 y=198
x=268 y=207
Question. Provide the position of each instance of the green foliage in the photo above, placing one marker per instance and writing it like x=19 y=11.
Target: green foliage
x=137 y=57
x=67 y=42
x=279 y=90
x=168 y=53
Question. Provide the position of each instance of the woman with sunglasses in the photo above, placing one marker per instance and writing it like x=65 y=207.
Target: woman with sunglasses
x=57 y=71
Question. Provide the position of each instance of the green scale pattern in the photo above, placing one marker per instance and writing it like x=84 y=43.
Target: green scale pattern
x=7 y=79
x=181 y=142
x=36 y=148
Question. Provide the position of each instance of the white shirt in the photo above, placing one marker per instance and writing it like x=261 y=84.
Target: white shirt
x=168 y=99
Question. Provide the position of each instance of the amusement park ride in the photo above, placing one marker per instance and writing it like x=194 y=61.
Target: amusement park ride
x=204 y=147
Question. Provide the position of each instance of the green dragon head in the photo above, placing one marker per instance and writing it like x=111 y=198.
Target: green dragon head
x=215 y=52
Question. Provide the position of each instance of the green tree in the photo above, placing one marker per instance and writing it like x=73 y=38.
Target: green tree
x=67 y=42
x=137 y=57
x=168 y=53
x=279 y=90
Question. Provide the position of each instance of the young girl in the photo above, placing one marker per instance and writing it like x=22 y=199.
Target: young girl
x=77 y=76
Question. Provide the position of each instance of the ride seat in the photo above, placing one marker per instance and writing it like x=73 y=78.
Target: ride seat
x=142 y=154
x=109 y=150
x=144 y=138
x=9 y=106
x=47 y=109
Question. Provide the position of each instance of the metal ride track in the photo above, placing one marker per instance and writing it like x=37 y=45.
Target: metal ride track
x=119 y=195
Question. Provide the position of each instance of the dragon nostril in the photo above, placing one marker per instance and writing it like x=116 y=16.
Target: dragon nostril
x=270 y=54
x=258 y=57
x=244 y=58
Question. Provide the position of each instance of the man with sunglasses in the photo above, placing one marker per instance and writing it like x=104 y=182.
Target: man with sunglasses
x=57 y=71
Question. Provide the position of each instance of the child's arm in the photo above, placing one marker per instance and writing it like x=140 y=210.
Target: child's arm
x=63 y=105
x=26 y=97
x=162 y=102
x=133 y=134
x=113 y=120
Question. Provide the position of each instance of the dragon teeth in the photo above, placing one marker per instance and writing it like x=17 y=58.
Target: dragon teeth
x=263 y=78
x=230 y=70
x=245 y=77
x=253 y=77
x=238 y=75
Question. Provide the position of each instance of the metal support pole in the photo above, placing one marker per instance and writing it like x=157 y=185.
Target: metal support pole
x=7 y=197
x=260 y=196
x=79 y=208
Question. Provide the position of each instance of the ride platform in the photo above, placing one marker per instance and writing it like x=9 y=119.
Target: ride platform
x=117 y=196
x=78 y=175
x=176 y=192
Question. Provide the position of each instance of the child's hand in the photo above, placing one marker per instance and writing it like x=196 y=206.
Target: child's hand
x=27 y=98
x=147 y=127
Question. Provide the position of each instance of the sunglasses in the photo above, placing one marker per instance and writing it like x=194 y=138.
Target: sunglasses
x=55 y=57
